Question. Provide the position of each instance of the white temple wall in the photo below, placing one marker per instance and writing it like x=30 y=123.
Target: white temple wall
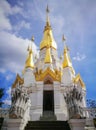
x=37 y=102
x=67 y=76
x=63 y=106
x=58 y=100
x=29 y=77
x=33 y=98
x=43 y=52
x=40 y=64
x=84 y=98
x=60 y=108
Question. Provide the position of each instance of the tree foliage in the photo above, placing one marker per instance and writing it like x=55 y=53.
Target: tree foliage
x=91 y=103
x=1 y=95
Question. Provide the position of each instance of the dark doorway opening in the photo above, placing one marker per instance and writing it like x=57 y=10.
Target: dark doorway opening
x=48 y=101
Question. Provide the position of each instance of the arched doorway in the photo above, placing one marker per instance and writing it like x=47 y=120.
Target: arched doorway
x=48 y=97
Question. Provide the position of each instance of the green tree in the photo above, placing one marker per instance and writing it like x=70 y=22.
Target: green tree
x=91 y=103
x=1 y=95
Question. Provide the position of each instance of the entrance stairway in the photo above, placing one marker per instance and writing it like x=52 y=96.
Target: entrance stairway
x=47 y=125
x=48 y=116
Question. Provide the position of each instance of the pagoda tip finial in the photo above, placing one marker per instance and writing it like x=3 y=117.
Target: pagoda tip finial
x=32 y=39
x=47 y=16
x=63 y=38
x=28 y=48
x=47 y=9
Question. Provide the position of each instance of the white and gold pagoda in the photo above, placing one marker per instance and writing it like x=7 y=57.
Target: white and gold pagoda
x=49 y=86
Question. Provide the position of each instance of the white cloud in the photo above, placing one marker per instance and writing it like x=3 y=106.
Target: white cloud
x=79 y=57
x=9 y=92
x=9 y=77
x=16 y=10
x=7 y=101
x=12 y=48
x=2 y=70
x=13 y=51
x=24 y=24
x=4 y=21
x=21 y=25
x=5 y=11
x=5 y=24
x=20 y=3
x=5 y=7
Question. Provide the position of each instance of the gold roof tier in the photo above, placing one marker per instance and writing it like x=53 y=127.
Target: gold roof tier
x=17 y=80
x=29 y=61
x=54 y=74
x=48 y=58
x=78 y=79
x=67 y=61
x=48 y=38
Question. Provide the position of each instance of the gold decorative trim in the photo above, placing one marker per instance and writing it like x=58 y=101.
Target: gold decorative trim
x=48 y=58
x=55 y=74
x=77 y=79
x=17 y=80
x=46 y=47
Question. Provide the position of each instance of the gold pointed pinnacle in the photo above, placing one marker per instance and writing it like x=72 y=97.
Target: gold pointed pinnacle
x=48 y=58
x=63 y=38
x=29 y=61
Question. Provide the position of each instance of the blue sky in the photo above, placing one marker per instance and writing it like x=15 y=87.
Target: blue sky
x=20 y=19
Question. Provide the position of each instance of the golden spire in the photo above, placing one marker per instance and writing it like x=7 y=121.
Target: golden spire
x=48 y=58
x=48 y=34
x=29 y=60
x=67 y=61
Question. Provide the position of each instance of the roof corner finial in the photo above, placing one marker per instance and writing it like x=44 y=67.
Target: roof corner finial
x=32 y=39
x=63 y=38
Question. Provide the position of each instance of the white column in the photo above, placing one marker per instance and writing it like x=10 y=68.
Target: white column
x=57 y=102
x=37 y=102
